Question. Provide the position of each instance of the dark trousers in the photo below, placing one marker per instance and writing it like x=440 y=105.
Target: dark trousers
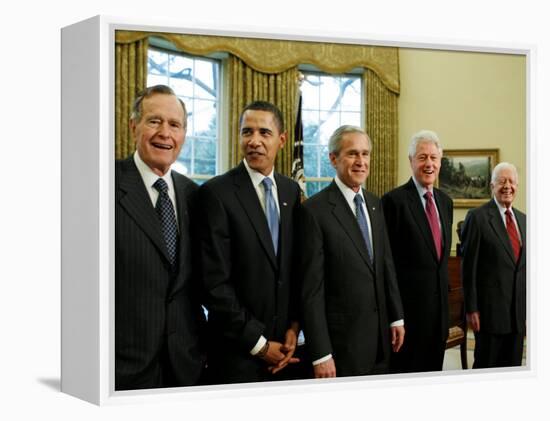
x=498 y=350
x=418 y=354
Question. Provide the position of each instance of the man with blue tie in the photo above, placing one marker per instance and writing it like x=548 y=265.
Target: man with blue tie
x=351 y=308
x=419 y=218
x=494 y=273
x=247 y=250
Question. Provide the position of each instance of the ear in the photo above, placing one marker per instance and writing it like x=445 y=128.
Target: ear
x=132 y=125
x=282 y=139
x=332 y=156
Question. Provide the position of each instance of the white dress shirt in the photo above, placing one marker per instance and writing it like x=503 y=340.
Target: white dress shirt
x=257 y=178
x=421 y=192
x=149 y=178
x=502 y=210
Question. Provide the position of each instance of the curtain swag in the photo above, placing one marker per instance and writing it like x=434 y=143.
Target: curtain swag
x=276 y=56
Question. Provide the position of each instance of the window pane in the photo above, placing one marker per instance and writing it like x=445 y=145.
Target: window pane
x=204 y=117
x=351 y=99
x=310 y=93
x=195 y=82
x=326 y=169
x=310 y=159
x=328 y=102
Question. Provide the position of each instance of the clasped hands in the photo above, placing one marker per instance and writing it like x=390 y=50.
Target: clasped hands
x=279 y=355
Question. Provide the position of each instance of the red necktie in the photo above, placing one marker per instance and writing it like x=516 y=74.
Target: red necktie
x=434 y=222
x=512 y=233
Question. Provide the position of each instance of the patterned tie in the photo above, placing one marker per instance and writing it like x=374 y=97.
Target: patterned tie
x=362 y=220
x=434 y=222
x=271 y=212
x=167 y=216
x=512 y=233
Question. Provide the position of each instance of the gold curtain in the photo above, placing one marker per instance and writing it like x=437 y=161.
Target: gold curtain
x=276 y=56
x=247 y=85
x=381 y=124
x=130 y=78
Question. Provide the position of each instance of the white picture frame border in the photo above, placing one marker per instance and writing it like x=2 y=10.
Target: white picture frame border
x=87 y=196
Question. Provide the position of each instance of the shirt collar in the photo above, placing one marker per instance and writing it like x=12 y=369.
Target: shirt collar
x=256 y=176
x=501 y=208
x=147 y=174
x=420 y=188
x=348 y=193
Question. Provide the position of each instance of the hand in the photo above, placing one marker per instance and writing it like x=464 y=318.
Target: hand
x=473 y=320
x=273 y=354
x=397 y=337
x=325 y=369
x=288 y=348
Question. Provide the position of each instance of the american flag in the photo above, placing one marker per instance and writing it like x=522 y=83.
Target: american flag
x=298 y=153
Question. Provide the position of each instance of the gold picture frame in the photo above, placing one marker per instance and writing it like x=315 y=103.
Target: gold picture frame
x=465 y=175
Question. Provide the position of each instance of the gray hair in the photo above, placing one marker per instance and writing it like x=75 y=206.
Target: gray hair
x=335 y=141
x=424 y=136
x=149 y=92
x=502 y=166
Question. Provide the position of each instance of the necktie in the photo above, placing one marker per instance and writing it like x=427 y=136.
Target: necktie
x=434 y=222
x=362 y=221
x=271 y=212
x=167 y=217
x=512 y=233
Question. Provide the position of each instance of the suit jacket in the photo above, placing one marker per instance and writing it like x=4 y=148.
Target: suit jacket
x=494 y=284
x=158 y=314
x=249 y=287
x=423 y=279
x=348 y=302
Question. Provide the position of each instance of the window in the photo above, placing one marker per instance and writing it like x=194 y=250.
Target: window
x=328 y=101
x=196 y=80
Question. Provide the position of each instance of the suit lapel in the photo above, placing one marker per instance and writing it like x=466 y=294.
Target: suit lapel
x=251 y=205
x=419 y=215
x=180 y=188
x=496 y=223
x=522 y=230
x=136 y=201
x=285 y=198
x=375 y=226
x=346 y=218
x=444 y=222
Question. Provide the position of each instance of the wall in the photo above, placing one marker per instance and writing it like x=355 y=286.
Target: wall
x=472 y=100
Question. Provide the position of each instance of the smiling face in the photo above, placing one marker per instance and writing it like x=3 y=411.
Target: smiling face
x=352 y=163
x=425 y=163
x=505 y=186
x=260 y=140
x=160 y=132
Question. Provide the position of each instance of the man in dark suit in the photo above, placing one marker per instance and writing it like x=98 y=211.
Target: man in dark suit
x=157 y=307
x=351 y=308
x=494 y=273
x=247 y=244
x=419 y=218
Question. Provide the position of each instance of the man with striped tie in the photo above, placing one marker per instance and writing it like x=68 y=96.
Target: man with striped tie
x=494 y=273
x=158 y=313
x=351 y=308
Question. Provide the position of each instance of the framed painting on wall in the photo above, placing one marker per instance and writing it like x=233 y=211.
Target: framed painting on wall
x=465 y=175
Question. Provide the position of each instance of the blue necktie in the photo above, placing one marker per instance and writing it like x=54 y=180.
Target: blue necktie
x=362 y=220
x=167 y=216
x=271 y=212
